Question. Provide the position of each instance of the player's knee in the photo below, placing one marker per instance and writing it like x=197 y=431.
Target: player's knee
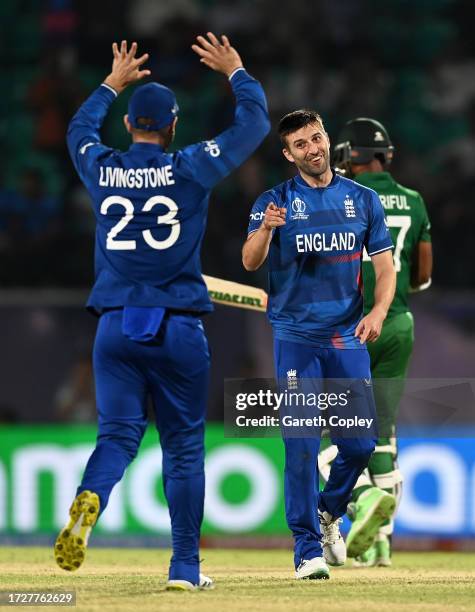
x=183 y=465
x=123 y=437
x=183 y=454
x=358 y=449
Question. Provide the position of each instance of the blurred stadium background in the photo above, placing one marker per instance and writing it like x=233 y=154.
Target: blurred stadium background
x=408 y=63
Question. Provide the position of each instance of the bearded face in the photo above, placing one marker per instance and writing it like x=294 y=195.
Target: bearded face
x=309 y=149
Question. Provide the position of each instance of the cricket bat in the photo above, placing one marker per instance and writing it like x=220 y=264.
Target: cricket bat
x=228 y=293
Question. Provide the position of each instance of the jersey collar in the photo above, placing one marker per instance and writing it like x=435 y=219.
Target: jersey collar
x=333 y=183
x=145 y=146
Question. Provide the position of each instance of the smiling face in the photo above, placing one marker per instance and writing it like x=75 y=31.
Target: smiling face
x=309 y=149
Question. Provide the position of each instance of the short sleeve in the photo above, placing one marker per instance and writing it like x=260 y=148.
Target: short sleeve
x=378 y=237
x=257 y=212
x=424 y=235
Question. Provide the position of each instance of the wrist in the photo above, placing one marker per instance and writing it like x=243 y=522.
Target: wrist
x=265 y=228
x=111 y=82
x=380 y=310
x=231 y=71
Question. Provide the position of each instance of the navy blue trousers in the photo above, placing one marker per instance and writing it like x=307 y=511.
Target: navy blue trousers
x=173 y=369
x=301 y=482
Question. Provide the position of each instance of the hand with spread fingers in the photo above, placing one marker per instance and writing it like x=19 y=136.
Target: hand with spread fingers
x=126 y=67
x=219 y=56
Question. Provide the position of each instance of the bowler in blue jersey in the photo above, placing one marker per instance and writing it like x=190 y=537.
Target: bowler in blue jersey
x=312 y=230
x=151 y=209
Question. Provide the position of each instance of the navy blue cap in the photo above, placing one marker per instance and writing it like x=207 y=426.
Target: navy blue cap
x=153 y=101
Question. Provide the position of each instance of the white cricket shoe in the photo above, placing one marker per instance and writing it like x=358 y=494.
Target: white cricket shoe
x=334 y=548
x=312 y=569
x=205 y=584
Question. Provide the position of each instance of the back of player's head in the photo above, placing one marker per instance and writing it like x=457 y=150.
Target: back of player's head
x=295 y=121
x=362 y=140
x=152 y=107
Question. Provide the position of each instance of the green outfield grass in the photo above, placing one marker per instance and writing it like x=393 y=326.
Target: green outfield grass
x=247 y=580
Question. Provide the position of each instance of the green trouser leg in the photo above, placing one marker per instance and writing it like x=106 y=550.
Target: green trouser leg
x=390 y=356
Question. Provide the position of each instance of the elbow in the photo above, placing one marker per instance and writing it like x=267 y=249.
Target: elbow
x=248 y=263
x=266 y=125
x=249 y=266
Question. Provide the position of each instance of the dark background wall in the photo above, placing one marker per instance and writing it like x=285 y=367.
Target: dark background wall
x=409 y=63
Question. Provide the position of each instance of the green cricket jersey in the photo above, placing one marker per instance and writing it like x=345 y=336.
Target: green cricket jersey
x=408 y=222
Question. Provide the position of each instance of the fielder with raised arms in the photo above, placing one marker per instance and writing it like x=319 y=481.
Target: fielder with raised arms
x=151 y=209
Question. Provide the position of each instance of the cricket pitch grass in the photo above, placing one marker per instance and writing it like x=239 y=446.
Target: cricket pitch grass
x=246 y=580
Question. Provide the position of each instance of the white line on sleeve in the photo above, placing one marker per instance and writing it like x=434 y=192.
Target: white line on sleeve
x=110 y=89
x=381 y=251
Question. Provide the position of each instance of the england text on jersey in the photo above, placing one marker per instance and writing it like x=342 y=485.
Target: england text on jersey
x=336 y=241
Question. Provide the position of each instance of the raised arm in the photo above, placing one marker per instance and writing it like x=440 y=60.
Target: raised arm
x=209 y=161
x=83 y=136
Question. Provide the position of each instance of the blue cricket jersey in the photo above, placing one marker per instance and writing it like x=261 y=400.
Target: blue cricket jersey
x=151 y=206
x=315 y=284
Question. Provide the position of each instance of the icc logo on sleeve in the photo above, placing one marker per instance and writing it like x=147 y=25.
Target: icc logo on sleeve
x=212 y=148
x=298 y=208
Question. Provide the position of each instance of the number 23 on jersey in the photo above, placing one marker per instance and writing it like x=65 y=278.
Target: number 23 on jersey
x=169 y=218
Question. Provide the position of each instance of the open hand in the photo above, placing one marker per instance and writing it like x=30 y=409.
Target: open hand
x=219 y=56
x=126 y=67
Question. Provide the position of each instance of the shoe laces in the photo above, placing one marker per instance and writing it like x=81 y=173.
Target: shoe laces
x=331 y=530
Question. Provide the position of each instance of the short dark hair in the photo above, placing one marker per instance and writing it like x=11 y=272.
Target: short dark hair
x=295 y=120
x=144 y=122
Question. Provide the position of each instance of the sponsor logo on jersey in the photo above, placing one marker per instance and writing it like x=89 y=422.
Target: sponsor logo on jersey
x=292 y=381
x=257 y=216
x=212 y=148
x=83 y=149
x=298 y=208
x=336 y=241
x=349 y=207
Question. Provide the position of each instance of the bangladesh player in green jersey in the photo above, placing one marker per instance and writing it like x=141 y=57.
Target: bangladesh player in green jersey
x=364 y=153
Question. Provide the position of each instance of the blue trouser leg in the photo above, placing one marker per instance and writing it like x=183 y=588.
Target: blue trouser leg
x=301 y=454
x=353 y=453
x=301 y=496
x=179 y=391
x=317 y=366
x=353 y=457
x=174 y=369
x=120 y=398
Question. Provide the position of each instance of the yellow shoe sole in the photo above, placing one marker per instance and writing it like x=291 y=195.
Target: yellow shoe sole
x=71 y=543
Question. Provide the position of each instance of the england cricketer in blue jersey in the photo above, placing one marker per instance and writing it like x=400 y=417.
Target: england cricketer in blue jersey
x=151 y=209
x=312 y=230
